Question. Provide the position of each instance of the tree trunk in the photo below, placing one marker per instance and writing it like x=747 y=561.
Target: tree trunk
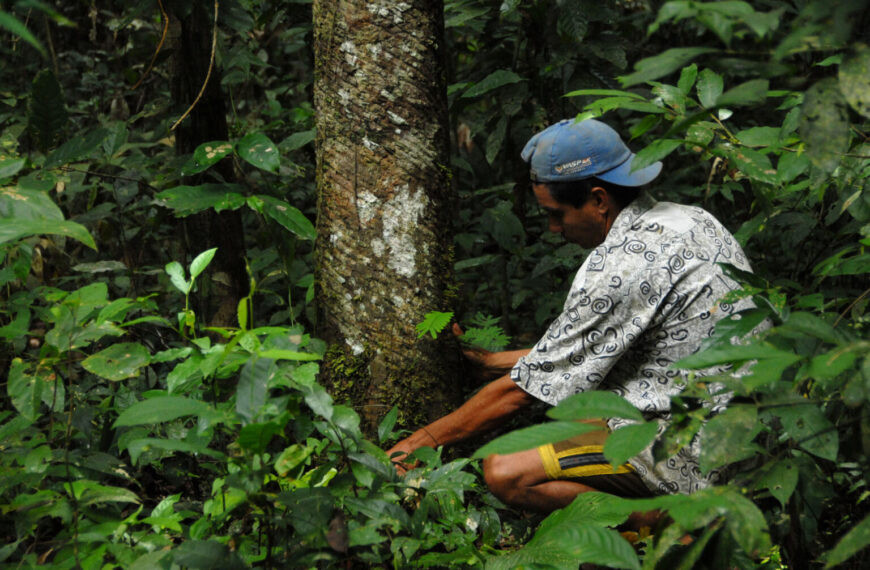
x=192 y=39
x=384 y=256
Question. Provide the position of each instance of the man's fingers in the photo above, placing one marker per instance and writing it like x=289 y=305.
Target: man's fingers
x=457 y=330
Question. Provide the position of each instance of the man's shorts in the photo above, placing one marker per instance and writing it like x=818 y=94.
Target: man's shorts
x=581 y=459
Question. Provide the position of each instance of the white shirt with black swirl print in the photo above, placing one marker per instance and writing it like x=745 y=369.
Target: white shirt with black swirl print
x=642 y=300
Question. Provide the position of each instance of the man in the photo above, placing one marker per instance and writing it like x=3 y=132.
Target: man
x=645 y=297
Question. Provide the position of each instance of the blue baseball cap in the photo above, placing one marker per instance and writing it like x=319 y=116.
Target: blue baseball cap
x=572 y=150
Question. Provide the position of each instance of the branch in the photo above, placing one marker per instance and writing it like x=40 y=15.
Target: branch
x=210 y=67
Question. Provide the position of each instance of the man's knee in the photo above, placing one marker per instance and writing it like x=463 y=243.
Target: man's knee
x=501 y=477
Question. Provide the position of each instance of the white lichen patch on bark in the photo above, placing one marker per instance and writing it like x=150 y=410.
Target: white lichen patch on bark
x=370 y=144
x=396 y=118
x=349 y=53
x=401 y=214
x=387 y=9
x=378 y=247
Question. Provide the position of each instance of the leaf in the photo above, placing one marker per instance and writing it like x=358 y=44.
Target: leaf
x=11 y=24
x=759 y=136
x=253 y=387
x=200 y=262
x=433 y=323
x=77 y=148
x=10 y=166
x=656 y=67
x=186 y=200
x=687 y=78
x=532 y=437
x=176 y=276
x=753 y=164
x=626 y=442
x=595 y=404
x=14 y=229
x=604 y=93
x=853 y=542
x=496 y=139
x=824 y=124
x=728 y=436
x=255 y=437
x=298 y=140
x=206 y=555
x=492 y=81
x=138 y=446
x=781 y=479
x=90 y=492
x=281 y=354
x=25 y=390
x=854 y=79
x=385 y=428
x=292 y=457
x=810 y=429
x=735 y=355
x=28 y=203
x=206 y=155
x=46 y=115
x=750 y=93
x=160 y=409
x=99 y=267
x=654 y=152
x=259 y=150
x=709 y=87
x=118 y=361
x=291 y=218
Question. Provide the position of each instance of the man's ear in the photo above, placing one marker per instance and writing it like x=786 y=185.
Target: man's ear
x=602 y=200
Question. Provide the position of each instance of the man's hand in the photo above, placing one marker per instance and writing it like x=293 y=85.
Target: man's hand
x=489 y=365
x=402 y=449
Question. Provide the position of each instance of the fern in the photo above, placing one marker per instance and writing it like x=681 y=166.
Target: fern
x=433 y=323
x=484 y=332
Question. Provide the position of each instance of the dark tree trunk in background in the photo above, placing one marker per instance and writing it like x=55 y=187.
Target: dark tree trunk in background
x=192 y=40
x=384 y=255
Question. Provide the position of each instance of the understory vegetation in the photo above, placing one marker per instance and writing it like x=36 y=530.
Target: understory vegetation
x=136 y=432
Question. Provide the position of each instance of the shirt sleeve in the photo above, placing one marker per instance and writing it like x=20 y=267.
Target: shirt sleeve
x=606 y=311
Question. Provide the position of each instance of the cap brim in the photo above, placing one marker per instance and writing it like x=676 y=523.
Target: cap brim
x=623 y=176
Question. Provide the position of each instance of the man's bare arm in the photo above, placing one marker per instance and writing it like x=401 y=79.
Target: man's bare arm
x=494 y=404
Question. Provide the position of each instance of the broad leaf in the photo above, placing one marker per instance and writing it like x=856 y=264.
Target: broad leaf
x=385 y=428
x=118 y=361
x=28 y=203
x=77 y=148
x=138 y=446
x=200 y=262
x=809 y=428
x=780 y=479
x=160 y=409
x=10 y=165
x=595 y=404
x=626 y=442
x=854 y=79
x=824 y=124
x=205 y=156
x=532 y=437
x=654 y=152
x=176 y=275
x=46 y=114
x=89 y=492
x=186 y=200
x=728 y=436
x=665 y=63
x=259 y=150
x=11 y=24
x=206 y=555
x=749 y=93
x=492 y=81
x=291 y=218
x=709 y=87
x=14 y=229
x=253 y=387
x=853 y=542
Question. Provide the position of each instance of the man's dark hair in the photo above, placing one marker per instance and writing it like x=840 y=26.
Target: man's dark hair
x=576 y=192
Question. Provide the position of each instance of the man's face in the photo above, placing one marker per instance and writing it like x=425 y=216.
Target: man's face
x=586 y=226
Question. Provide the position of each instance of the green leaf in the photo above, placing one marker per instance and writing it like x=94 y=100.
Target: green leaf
x=176 y=275
x=854 y=79
x=10 y=165
x=259 y=150
x=206 y=555
x=118 y=361
x=28 y=203
x=90 y=492
x=780 y=479
x=292 y=457
x=492 y=81
x=291 y=218
x=433 y=323
x=809 y=428
x=11 y=24
x=255 y=437
x=594 y=405
x=824 y=124
x=754 y=164
x=665 y=63
x=496 y=139
x=46 y=115
x=11 y=230
x=532 y=437
x=759 y=136
x=626 y=442
x=206 y=155
x=709 y=88
x=750 y=93
x=77 y=148
x=654 y=152
x=186 y=200
x=604 y=93
x=253 y=387
x=298 y=140
x=200 y=262
x=138 y=446
x=25 y=390
x=728 y=436
x=687 y=78
x=385 y=428
x=280 y=354
x=160 y=409
x=736 y=355
x=853 y=542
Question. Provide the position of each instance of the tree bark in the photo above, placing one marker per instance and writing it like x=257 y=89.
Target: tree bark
x=384 y=256
x=192 y=39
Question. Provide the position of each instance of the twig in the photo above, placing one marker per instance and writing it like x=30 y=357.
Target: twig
x=208 y=73
x=165 y=18
x=852 y=304
x=106 y=175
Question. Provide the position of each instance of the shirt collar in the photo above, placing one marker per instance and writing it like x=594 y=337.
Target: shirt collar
x=636 y=209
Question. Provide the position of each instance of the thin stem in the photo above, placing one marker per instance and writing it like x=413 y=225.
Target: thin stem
x=208 y=73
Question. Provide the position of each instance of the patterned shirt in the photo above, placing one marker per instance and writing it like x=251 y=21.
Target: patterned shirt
x=642 y=300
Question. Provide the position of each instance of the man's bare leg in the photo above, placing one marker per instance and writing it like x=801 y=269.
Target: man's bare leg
x=519 y=480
